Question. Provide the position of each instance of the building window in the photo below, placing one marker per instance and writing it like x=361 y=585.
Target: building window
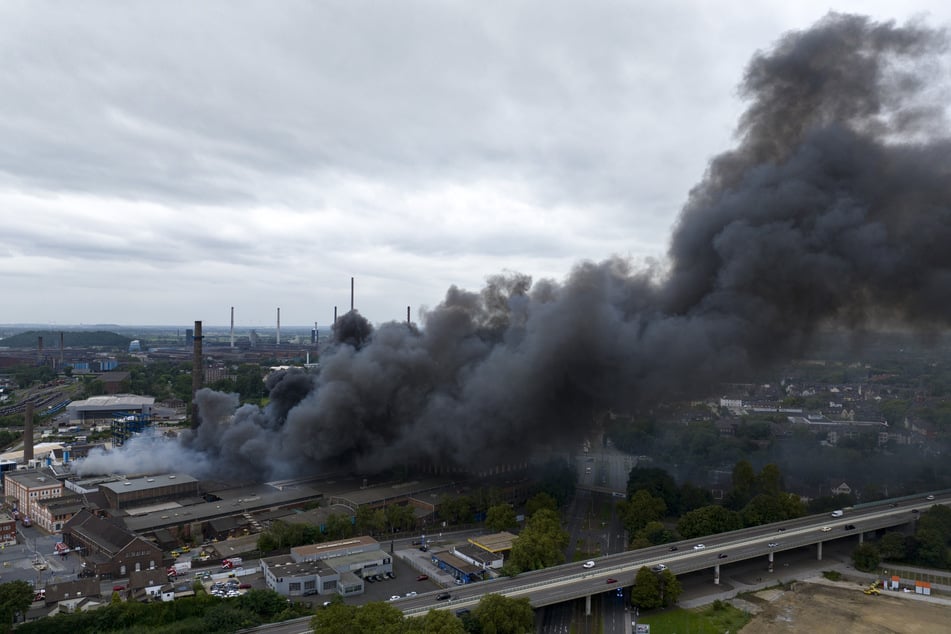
x=294 y=587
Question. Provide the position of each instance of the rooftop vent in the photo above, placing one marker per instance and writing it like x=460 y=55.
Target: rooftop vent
x=171 y=477
x=150 y=479
x=126 y=483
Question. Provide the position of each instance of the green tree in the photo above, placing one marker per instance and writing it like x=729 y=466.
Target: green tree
x=744 y=484
x=541 y=543
x=769 y=481
x=540 y=501
x=693 y=497
x=670 y=588
x=456 y=509
x=339 y=525
x=892 y=546
x=646 y=593
x=500 y=517
x=655 y=533
x=708 y=520
x=370 y=521
x=865 y=557
x=639 y=509
x=496 y=614
x=400 y=517
x=435 y=622
x=932 y=548
x=658 y=483
x=371 y=618
x=15 y=596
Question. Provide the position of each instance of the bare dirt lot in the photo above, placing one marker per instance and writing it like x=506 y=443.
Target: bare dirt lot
x=844 y=609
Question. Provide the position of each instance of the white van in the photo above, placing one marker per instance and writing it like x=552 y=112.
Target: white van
x=838 y=513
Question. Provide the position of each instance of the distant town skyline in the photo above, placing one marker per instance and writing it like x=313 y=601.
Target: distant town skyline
x=269 y=155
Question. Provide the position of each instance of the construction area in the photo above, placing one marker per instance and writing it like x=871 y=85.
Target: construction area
x=821 y=606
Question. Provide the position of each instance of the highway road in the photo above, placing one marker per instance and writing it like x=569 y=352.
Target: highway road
x=570 y=581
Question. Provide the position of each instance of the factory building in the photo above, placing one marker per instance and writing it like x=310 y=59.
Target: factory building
x=31 y=487
x=108 y=549
x=151 y=490
x=102 y=410
x=333 y=567
x=8 y=530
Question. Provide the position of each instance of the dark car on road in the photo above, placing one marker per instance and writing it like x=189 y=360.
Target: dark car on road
x=443 y=596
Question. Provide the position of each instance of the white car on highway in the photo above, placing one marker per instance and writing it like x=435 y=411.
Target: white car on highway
x=588 y=564
x=699 y=547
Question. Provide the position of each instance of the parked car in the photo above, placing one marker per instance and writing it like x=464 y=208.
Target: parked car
x=395 y=597
x=422 y=578
x=411 y=594
x=244 y=586
x=118 y=588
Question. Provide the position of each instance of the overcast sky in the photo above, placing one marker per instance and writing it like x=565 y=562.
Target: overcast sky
x=161 y=162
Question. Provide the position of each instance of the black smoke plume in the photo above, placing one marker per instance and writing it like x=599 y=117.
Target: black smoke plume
x=833 y=209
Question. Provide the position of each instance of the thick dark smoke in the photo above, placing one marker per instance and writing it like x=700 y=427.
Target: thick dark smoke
x=832 y=209
x=352 y=329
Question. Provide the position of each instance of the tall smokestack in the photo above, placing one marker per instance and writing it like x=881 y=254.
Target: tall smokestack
x=278 y=326
x=198 y=373
x=335 y=315
x=62 y=348
x=407 y=316
x=351 y=293
x=28 y=432
x=232 y=326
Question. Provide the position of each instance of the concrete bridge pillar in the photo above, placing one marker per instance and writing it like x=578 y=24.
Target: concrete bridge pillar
x=819 y=551
x=770 y=561
x=587 y=605
x=861 y=538
x=716 y=574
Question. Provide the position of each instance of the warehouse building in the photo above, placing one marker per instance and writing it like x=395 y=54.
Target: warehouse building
x=102 y=410
x=151 y=490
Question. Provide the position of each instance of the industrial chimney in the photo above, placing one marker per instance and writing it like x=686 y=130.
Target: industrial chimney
x=28 y=433
x=232 y=327
x=351 y=294
x=198 y=373
x=408 y=322
x=278 y=326
x=62 y=348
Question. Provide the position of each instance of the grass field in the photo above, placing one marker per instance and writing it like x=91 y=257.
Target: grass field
x=713 y=619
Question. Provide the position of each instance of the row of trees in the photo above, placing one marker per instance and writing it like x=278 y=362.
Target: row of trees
x=755 y=498
x=390 y=519
x=200 y=614
x=495 y=614
x=927 y=547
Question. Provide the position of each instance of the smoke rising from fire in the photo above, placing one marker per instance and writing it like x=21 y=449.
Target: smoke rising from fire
x=833 y=208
